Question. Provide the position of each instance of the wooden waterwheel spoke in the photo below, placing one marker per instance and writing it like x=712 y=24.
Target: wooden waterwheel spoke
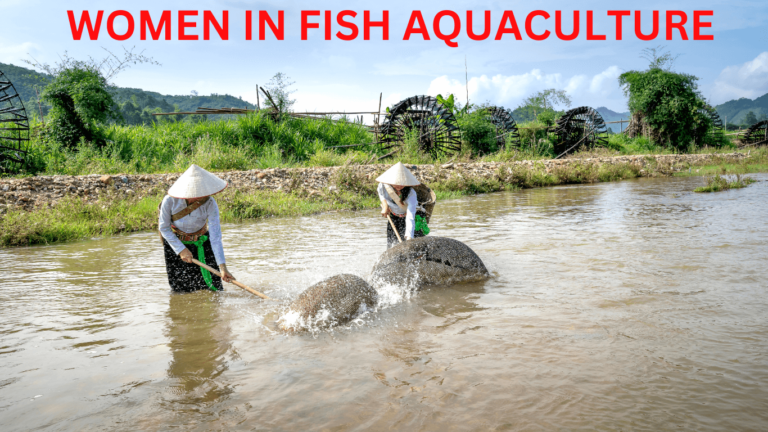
x=431 y=122
x=581 y=127
x=14 y=128
x=756 y=135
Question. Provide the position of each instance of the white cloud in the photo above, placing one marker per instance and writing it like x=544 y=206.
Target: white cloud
x=509 y=91
x=746 y=80
x=14 y=53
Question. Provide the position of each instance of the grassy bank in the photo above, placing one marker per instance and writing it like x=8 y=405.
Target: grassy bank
x=256 y=142
x=111 y=214
x=74 y=219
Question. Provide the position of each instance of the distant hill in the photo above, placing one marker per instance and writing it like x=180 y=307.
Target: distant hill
x=184 y=102
x=610 y=116
x=522 y=114
x=25 y=80
x=136 y=105
x=736 y=110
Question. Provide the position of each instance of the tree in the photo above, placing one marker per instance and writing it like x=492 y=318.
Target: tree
x=658 y=58
x=669 y=103
x=108 y=67
x=79 y=101
x=750 y=119
x=454 y=106
x=543 y=101
x=80 y=94
x=666 y=104
x=278 y=89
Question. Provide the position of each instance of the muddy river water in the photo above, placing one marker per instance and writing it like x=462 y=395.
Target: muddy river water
x=636 y=305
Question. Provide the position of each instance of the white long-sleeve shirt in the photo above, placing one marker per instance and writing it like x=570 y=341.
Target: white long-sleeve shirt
x=190 y=223
x=412 y=203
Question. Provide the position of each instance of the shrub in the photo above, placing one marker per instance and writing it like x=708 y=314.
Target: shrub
x=669 y=103
x=80 y=100
x=478 y=132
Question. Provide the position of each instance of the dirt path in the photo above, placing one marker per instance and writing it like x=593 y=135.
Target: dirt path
x=34 y=192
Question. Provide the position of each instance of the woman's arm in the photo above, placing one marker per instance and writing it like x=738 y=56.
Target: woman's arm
x=410 y=216
x=382 y=197
x=164 y=223
x=214 y=231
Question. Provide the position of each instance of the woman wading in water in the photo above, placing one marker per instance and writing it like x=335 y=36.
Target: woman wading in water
x=189 y=225
x=399 y=200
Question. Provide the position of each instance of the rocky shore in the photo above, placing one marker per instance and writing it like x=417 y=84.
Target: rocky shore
x=44 y=191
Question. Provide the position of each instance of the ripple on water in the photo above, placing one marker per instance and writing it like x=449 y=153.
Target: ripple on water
x=622 y=306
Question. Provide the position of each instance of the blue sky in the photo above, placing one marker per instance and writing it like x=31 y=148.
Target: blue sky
x=349 y=75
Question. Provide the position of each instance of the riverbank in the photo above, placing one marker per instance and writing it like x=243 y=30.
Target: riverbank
x=50 y=209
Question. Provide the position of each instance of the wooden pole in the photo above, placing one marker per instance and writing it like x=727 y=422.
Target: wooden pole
x=258 y=105
x=394 y=229
x=243 y=286
x=466 y=81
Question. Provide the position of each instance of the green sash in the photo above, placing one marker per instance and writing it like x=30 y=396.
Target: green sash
x=421 y=224
x=201 y=258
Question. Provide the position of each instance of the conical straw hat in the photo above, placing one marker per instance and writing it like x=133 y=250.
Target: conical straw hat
x=195 y=183
x=398 y=175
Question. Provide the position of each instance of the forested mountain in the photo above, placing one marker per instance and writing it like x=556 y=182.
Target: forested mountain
x=25 y=80
x=609 y=116
x=737 y=111
x=135 y=105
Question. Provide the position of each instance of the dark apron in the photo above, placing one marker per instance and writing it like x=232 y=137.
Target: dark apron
x=185 y=277
x=400 y=225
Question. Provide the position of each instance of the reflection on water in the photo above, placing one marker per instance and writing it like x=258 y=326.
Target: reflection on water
x=633 y=305
x=199 y=341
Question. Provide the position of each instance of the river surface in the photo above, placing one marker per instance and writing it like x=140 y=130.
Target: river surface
x=636 y=305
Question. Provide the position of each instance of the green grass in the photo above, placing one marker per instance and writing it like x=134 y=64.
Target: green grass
x=255 y=141
x=717 y=183
x=248 y=142
x=74 y=219
x=756 y=162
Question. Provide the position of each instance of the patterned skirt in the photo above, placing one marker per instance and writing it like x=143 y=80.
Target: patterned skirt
x=185 y=277
x=400 y=225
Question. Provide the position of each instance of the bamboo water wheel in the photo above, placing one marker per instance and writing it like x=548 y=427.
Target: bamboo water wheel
x=579 y=128
x=506 y=126
x=718 y=129
x=756 y=135
x=14 y=128
x=424 y=119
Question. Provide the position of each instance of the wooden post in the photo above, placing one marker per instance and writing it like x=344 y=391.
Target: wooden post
x=466 y=80
x=258 y=107
x=376 y=129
